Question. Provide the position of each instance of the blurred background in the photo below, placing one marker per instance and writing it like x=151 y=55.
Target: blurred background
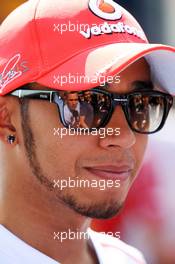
x=148 y=219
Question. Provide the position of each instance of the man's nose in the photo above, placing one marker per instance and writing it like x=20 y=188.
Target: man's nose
x=127 y=137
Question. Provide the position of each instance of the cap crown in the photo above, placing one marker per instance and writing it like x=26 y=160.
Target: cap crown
x=41 y=35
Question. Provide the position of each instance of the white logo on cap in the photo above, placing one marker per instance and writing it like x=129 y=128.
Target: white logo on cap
x=106 y=9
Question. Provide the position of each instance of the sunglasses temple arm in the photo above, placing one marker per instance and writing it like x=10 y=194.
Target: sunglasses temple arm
x=42 y=95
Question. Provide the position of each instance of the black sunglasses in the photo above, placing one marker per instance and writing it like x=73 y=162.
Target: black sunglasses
x=146 y=111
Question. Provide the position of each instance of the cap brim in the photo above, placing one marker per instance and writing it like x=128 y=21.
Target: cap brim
x=89 y=68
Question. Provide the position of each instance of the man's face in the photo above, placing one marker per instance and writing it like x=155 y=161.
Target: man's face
x=87 y=96
x=72 y=100
x=89 y=158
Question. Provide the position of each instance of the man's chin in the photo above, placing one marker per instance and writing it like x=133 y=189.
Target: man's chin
x=99 y=210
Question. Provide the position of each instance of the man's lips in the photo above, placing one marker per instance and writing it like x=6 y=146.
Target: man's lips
x=121 y=173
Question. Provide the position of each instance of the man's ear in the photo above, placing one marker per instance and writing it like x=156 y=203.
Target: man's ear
x=6 y=127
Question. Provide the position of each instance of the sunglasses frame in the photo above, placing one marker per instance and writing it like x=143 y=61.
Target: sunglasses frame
x=115 y=99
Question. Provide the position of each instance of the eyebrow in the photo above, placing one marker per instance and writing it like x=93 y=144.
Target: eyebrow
x=135 y=86
x=142 y=85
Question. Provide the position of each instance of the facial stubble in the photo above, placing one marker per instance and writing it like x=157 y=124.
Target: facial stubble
x=93 y=210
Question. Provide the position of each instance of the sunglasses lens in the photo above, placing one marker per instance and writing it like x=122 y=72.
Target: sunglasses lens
x=146 y=112
x=88 y=109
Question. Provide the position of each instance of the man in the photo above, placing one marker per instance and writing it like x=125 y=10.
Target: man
x=72 y=109
x=77 y=114
x=50 y=185
x=87 y=96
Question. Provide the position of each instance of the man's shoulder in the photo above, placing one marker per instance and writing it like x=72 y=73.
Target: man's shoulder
x=15 y=250
x=112 y=247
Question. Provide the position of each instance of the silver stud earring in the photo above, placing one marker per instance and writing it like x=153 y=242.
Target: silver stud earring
x=11 y=139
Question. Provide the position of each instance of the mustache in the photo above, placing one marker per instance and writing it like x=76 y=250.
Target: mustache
x=113 y=158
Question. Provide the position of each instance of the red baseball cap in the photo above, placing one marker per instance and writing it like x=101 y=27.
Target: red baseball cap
x=71 y=45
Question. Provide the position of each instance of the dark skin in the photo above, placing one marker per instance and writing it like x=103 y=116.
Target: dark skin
x=30 y=207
